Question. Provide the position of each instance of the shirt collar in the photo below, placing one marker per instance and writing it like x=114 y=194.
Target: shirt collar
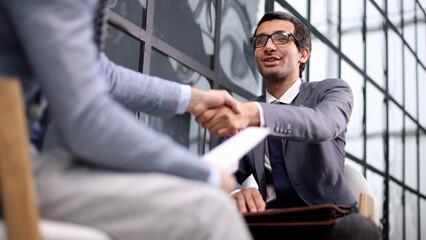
x=288 y=96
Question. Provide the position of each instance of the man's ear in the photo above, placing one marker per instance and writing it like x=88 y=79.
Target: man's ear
x=304 y=55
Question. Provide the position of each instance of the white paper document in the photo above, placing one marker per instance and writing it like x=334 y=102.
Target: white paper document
x=228 y=154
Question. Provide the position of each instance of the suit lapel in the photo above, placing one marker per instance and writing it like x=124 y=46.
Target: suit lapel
x=303 y=95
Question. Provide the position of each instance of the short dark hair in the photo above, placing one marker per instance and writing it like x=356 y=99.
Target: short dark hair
x=300 y=31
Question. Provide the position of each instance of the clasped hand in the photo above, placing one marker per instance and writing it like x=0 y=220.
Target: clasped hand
x=224 y=121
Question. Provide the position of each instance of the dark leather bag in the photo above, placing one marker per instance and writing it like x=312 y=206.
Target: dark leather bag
x=312 y=222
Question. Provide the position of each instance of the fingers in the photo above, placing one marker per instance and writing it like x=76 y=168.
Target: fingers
x=232 y=103
x=205 y=119
x=219 y=112
x=202 y=101
x=219 y=121
x=258 y=200
x=241 y=202
x=222 y=129
x=249 y=199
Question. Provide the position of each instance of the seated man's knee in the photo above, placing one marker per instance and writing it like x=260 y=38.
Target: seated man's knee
x=355 y=226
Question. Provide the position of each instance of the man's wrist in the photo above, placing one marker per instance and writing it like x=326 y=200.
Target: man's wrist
x=185 y=97
x=251 y=114
x=195 y=98
x=261 y=116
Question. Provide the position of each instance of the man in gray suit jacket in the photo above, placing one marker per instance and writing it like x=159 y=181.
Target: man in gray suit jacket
x=301 y=163
x=309 y=123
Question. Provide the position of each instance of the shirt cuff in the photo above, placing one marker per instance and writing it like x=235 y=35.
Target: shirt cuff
x=261 y=116
x=235 y=191
x=214 y=178
x=185 y=96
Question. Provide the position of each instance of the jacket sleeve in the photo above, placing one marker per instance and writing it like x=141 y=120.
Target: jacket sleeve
x=323 y=120
x=139 y=92
x=57 y=39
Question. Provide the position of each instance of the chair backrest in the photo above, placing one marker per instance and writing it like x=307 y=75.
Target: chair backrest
x=367 y=204
x=18 y=193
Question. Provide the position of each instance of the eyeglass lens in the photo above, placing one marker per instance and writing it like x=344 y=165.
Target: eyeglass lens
x=278 y=38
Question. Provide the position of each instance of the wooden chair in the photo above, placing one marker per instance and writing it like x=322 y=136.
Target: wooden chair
x=20 y=212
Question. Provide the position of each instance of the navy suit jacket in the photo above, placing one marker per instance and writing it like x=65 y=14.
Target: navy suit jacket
x=313 y=136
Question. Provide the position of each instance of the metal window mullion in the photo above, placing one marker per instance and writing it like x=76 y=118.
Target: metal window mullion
x=126 y=26
x=418 y=128
x=216 y=61
x=146 y=65
x=391 y=25
x=269 y=5
x=237 y=89
x=308 y=75
x=339 y=43
x=404 y=196
x=368 y=166
x=364 y=90
x=181 y=57
x=418 y=186
x=386 y=225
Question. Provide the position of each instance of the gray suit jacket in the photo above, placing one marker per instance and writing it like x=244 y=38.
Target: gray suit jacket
x=50 y=45
x=313 y=133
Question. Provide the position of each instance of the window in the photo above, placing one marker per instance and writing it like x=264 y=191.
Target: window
x=205 y=44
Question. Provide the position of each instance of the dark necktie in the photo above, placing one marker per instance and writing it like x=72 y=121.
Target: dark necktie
x=286 y=195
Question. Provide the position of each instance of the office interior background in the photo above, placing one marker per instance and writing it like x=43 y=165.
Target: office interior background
x=377 y=46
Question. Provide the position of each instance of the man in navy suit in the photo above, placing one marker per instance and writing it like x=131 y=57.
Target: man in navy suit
x=301 y=163
x=308 y=120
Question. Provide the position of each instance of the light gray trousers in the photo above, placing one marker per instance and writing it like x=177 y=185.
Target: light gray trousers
x=134 y=206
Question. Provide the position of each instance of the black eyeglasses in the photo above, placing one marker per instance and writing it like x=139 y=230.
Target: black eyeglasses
x=278 y=38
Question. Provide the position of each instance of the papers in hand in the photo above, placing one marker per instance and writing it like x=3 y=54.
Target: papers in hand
x=228 y=154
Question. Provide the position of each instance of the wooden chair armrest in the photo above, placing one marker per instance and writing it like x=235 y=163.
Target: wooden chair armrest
x=18 y=194
x=366 y=206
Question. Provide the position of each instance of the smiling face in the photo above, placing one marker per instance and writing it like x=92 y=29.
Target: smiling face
x=279 y=63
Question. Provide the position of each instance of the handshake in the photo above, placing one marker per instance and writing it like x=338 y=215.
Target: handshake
x=220 y=113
